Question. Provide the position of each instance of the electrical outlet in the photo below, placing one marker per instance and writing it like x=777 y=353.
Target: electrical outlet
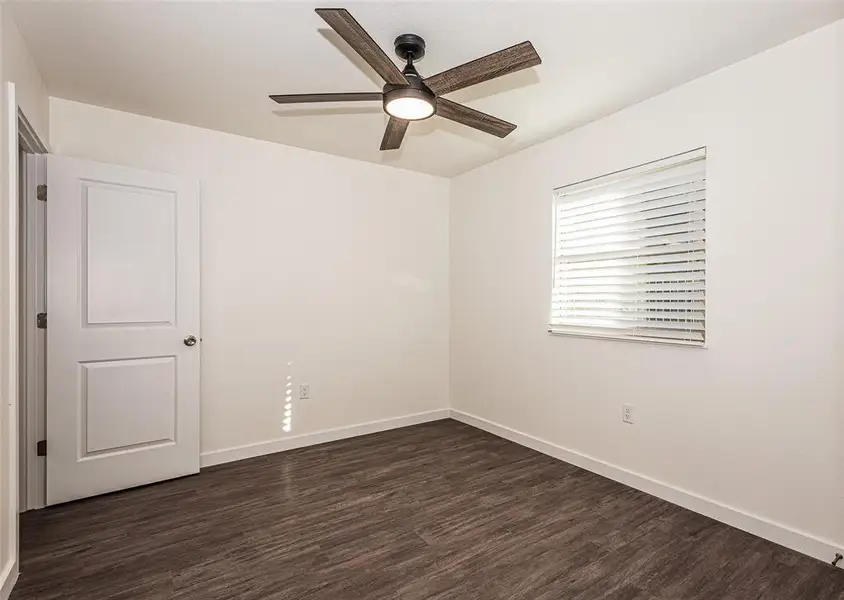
x=304 y=391
x=627 y=413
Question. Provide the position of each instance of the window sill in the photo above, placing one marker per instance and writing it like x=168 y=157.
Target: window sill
x=613 y=338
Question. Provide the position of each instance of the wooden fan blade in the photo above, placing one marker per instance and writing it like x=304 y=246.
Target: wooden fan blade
x=350 y=30
x=512 y=59
x=473 y=118
x=350 y=97
x=394 y=134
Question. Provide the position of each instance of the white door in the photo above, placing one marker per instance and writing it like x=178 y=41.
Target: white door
x=122 y=305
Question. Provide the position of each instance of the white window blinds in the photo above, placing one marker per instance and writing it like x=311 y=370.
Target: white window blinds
x=630 y=253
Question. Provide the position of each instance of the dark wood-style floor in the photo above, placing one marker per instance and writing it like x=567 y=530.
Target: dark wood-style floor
x=437 y=511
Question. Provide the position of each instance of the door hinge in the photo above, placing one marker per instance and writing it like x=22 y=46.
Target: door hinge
x=41 y=321
x=41 y=448
x=41 y=192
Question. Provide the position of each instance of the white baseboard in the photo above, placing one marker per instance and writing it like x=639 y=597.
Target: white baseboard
x=8 y=578
x=216 y=457
x=780 y=534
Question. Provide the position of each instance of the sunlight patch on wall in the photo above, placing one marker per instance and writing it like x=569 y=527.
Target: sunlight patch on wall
x=288 y=402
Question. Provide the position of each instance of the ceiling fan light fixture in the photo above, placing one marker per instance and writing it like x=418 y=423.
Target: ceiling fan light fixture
x=409 y=104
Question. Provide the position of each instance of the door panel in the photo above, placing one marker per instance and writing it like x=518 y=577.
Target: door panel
x=123 y=293
x=128 y=404
x=130 y=255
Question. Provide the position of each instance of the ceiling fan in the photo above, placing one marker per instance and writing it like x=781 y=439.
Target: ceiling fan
x=407 y=96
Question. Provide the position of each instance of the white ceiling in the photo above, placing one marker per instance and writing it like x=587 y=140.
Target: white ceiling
x=213 y=64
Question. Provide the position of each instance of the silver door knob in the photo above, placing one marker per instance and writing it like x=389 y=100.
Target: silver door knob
x=190 y=340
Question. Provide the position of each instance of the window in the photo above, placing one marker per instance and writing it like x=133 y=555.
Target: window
x=630 y=254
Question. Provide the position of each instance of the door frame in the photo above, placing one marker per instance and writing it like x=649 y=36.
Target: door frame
x=9 y=341
x=32 y=357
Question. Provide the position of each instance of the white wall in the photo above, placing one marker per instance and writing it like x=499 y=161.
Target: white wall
x=754 y=422
x=16 y=65
x=337 y=265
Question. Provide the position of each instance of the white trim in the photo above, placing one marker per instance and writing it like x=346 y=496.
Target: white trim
x=216 y=457
x=10 y=342
x=31 y=143
x=8 y=579
x=775 y=532
x=22 y=378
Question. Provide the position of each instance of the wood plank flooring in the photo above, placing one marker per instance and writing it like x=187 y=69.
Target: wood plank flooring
x=439 y=511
